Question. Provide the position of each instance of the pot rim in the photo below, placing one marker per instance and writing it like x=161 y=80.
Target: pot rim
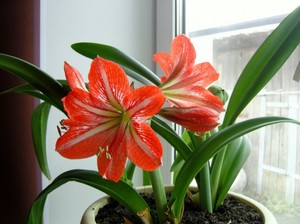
x=91 y=212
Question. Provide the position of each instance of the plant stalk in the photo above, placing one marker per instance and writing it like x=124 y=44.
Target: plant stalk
x=204 y=186
x=215 y=174
x=159 y=195
x=146 y=178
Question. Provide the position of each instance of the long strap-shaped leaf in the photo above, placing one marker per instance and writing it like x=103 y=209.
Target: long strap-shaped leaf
x=264 y=64
x=164 y=130
x=237 y=152
x=92 y=50
x=120 y=191
x=28 y=90
x=39 y=122
x=34 y=76
x=208 y=149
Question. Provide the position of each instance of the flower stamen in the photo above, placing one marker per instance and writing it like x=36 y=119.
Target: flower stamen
x=62 y=128
x=102 y=150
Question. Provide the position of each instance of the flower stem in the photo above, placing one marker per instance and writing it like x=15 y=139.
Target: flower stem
x=203 y=182
x=159 y=195
x=146 y=178
x=203 y=178
x=215 y=174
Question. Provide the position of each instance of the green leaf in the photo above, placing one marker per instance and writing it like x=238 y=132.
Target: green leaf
x=237 y=152
x=39 y=122
x=138 y=77
x=179 y=161
x=208 y=149
x=35 y=77
x=120 y=191
x=176 y=166
x=264 y=64
x=129 y=170
x=92 y=50
x=164 y=130
x=28 y=90
x=20 y=89
x=36 y=212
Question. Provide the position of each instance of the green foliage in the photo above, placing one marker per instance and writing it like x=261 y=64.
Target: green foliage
x=229 y=159
x=237 y=152
x=39 y=122
x=40 y=80
x=134 y=68
x=209 y=149
x=120 y=191
x=214 y=161
x=164 y=130
x=264 y=64
x=28 y=90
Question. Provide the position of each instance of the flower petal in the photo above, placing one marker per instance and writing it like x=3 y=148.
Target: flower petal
x=74 y=78
x=205 y=73
x=109 y=120
x=182 y=56
x=85 y=110
x=144 y=102
x=166 y=62
x=199 y=119
x=195 y=97
x=143 y=146
x=202 y=74
x=108 y=82
x=82 y=142
x=111 y=162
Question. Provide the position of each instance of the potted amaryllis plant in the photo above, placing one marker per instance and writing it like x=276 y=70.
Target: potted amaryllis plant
x=119 y=124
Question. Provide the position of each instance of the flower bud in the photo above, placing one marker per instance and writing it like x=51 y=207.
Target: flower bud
x=219 y=92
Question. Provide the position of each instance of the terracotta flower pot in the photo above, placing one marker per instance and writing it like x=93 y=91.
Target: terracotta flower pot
x=91 y=212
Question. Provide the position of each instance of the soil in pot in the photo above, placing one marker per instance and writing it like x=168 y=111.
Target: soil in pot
x=231 y=212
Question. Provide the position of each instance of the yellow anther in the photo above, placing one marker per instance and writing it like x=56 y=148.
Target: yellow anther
x=107 y=155
x=102 y=150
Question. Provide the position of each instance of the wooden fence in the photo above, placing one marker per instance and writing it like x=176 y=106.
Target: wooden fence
x=274 y=164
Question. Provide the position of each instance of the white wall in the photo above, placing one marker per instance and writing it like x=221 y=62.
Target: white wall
x=129 y=25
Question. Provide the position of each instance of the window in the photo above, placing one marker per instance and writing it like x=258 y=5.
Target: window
x=227 y=34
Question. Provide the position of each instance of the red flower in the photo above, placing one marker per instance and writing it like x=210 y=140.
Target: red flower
x=184 y=83
x=198 y=119
x=109 y=120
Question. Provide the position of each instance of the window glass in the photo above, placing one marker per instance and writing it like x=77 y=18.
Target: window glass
x=227 y=33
